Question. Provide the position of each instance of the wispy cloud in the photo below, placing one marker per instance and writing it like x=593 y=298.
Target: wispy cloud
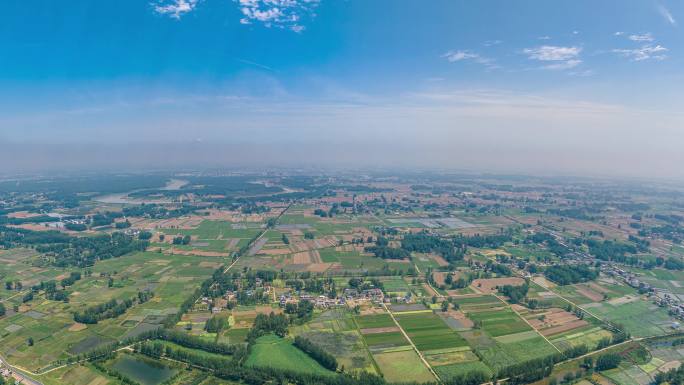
x=490 y=43
x=174 y=8
x=666 y=14
x=255 y=64
x=642 y=37
x=277 y=13
x=646 y=52
x=466 y=55
x=557 y=58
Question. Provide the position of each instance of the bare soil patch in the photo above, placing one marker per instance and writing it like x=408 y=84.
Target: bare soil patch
x=489 y=285
x=563 y=328
x=587 y=292
x=77 y=327
x=301 y=258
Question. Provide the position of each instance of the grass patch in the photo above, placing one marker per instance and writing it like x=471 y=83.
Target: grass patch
x=275 y=352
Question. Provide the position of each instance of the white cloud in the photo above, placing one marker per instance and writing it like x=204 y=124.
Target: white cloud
x=642 y=37
x=557 y=58
x=544 y=38
x=277 y=13
x=490 y=43
x=646 y=52
x=460 y=55
x=553 y=53
x=619 y=33
x=666 y=14
x=175 y=8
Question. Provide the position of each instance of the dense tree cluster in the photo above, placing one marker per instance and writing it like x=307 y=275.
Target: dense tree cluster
x=609 y=250
x=569 y=274
x=385 y=252
x=299 y=312
x=265 y=324
x=516 y=294
x=85 y=251
x=608 y=361
x=215 y=324
x=671 y=377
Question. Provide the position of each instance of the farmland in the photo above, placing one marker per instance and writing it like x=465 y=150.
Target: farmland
x=383 y=281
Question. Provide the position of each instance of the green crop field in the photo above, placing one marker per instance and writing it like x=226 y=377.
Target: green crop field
x=385 y=340
x=374 y=321
x=478 y=302
x=275 y=352
x=404 y=366
x=500 y=322
x=429 y=332
x=640 y=318
x=446 y=372
x=170 y=277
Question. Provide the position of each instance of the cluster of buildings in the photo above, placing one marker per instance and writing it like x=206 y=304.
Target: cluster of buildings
x=659 y=296
x=5 y=372
x=349 y=297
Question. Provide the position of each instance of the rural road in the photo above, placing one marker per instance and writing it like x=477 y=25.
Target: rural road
x=401 y=329
x=19 y=376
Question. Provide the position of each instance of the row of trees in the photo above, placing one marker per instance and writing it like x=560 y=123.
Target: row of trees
x=110 y=309
x=324 y=358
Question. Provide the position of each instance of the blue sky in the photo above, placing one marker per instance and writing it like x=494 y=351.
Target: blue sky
x=542 y=75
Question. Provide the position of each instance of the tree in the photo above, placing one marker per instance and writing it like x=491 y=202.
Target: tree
x=445 y=306
x=29 y=341
x=608 y=361
x=2 y=310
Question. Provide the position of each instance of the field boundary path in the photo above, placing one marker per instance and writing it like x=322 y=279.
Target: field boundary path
x=422 y=358
x=263 y=231
x=527 y=322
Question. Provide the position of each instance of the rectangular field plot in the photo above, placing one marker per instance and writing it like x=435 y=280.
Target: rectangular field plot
x=446 y=372
x=384 y=341
x=480 y=302
x=503 y=354
x=429 y=332
x=589 y=336
x=375 y=321
x=640 y=317
x=404 y=366
x=499 y=322
x=395 y=285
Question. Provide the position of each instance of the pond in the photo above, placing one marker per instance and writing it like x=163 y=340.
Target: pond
x=142 y=370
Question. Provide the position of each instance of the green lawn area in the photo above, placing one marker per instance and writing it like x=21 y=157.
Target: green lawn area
x=275 y=352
